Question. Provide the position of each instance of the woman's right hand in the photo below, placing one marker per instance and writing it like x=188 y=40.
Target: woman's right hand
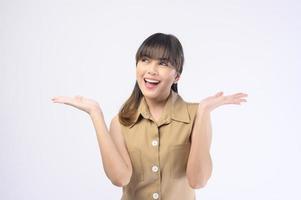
x=80 y=102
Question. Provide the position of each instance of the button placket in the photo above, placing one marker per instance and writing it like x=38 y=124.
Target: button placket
x=155 y=168
x=155 y=142
x=155 y=195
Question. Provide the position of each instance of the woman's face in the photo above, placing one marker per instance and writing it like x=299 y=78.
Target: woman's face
x=155 y=78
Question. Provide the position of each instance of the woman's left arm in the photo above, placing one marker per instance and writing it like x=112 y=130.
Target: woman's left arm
x=199 y=165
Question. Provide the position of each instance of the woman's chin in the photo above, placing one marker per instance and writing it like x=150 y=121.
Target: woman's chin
x=150 y=94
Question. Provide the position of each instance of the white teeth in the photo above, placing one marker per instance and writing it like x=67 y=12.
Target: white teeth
x=152 y=81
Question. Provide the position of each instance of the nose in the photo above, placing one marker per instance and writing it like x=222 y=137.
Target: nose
x=152 y=69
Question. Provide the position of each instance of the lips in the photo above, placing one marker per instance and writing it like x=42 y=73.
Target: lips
x=151 y=83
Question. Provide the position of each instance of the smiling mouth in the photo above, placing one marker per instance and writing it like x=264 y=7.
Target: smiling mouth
x=155 y=82
x=151 y=84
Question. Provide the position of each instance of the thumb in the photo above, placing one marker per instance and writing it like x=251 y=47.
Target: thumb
x=219 y=94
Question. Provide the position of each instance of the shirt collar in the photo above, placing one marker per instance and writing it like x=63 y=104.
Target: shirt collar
x=174 y=109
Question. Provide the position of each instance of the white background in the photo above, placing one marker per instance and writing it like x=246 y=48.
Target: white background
x=48 y=48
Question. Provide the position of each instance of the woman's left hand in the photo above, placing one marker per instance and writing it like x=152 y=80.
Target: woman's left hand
x=212 y=102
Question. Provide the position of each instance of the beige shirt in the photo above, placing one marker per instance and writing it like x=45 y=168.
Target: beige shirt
x=159 y=152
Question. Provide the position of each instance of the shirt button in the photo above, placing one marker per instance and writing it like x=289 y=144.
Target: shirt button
x=155 y=195
x=154 y=142
x=155 y=168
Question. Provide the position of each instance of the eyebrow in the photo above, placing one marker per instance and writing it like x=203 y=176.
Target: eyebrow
x=164 y=59
x=160 y=59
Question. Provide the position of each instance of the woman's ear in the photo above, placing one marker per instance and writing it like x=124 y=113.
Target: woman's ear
x=177 y=78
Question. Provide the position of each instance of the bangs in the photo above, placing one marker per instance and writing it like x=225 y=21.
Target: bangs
x=158 y=48
x=156 y=52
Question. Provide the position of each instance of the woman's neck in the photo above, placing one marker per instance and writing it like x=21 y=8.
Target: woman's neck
x=156 y=107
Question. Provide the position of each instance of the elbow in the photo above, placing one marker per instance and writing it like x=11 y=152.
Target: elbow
x=198 y=178
x=118 y=183
x=122 y=180
x=197 y=185
x=198 y=182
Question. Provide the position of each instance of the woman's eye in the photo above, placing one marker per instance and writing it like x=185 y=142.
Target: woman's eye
x=163 y=63
x=144 y=59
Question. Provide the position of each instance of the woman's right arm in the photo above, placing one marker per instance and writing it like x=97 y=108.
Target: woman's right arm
x=115 y=158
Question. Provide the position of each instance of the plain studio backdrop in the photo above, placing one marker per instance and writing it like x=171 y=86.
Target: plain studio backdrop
x=49 y=48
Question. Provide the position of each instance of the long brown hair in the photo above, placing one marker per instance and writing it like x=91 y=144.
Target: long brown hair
x=157 y=46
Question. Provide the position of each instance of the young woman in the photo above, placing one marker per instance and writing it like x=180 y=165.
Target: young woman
x=158 y=145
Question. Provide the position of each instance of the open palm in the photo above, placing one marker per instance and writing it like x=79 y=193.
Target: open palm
x=212 y=102
x=79 y=102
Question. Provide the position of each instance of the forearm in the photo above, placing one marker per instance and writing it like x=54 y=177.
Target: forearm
x=114 y=166
x=199 y=166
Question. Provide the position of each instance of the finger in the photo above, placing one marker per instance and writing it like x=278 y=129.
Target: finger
x=56 y=99
x=241 y=94
x=238 y=96
x=240 y=103
x=233 y=100
x=62 y=99
x=219 y=94
x=239 y=100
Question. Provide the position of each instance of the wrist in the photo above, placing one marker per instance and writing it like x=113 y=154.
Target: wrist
x=203 y=107
x=95 y=112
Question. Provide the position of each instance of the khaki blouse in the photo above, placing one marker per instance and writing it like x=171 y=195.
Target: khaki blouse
x=159 y=151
